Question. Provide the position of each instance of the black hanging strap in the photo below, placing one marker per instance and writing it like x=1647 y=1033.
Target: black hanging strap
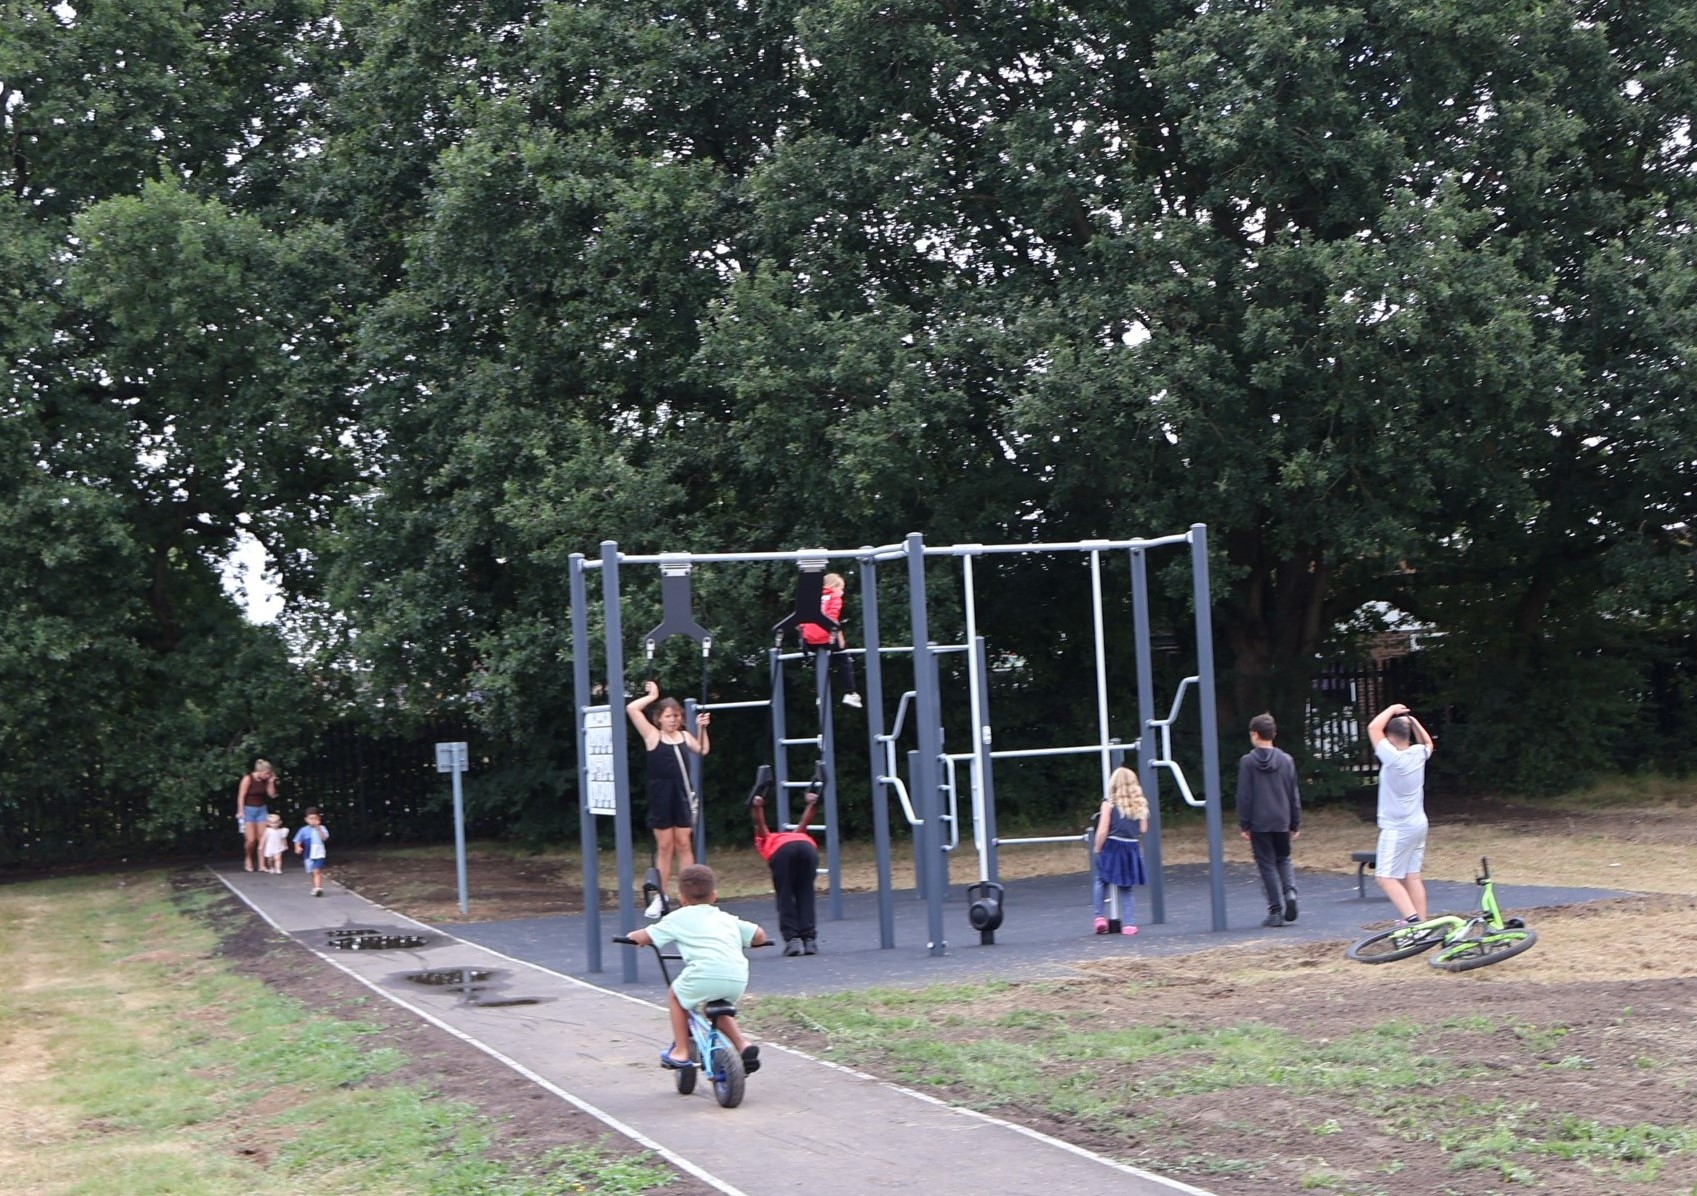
x=809 y=599
x=676 y=615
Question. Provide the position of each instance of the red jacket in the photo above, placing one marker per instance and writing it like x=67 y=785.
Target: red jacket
x=768 y=843
x=831 y=606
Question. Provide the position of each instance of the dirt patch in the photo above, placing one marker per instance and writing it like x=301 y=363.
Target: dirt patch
x=528 y=1121
x=1616 y=1054
x=1586 y=1044
x=501 y=884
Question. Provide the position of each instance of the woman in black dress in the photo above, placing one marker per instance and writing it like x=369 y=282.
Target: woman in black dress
x=671 y=798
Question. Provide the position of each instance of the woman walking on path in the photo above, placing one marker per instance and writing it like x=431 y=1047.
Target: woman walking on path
x=253 y=797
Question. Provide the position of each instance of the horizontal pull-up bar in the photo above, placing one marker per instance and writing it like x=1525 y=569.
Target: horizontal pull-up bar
x=1089 y=749
x=710 y=558
x=888 y=552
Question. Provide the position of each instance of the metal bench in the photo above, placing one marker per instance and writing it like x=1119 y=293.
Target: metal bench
x=1363 y=861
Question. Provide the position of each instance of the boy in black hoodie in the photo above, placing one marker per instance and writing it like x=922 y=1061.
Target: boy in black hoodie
x=1269 y=813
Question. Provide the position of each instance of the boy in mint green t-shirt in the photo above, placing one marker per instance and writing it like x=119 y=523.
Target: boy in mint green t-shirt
x=711 y=942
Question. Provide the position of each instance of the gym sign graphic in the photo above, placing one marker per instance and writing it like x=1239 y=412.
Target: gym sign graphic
x=598 y=760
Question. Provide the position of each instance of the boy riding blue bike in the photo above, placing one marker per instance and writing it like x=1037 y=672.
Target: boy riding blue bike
x=711 y=943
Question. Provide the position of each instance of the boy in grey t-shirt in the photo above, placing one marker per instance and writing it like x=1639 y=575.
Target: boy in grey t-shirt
x=1403 y=747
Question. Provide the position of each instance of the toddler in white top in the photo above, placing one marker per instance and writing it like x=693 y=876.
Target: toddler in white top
x=273 y=843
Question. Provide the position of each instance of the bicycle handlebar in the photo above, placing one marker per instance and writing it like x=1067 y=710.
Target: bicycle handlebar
x=625 y=940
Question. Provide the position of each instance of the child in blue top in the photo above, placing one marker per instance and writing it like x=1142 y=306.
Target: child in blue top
x=1119 y=856
x=711 y=942
x=309 y=843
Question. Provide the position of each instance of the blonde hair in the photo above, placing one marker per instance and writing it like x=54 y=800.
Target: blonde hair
x=834 y=581
x=1127 y=794
x=260 y=766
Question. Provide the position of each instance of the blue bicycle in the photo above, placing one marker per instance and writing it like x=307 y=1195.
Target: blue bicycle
x=710 y=1051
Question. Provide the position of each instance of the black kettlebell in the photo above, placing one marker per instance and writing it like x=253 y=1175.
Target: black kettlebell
x=985 y=910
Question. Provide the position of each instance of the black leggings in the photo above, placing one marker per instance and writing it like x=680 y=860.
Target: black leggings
x=842 y=668
x=795 y=866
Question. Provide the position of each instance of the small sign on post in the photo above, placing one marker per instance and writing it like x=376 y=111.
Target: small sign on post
x=600 y=790
x=453 y=758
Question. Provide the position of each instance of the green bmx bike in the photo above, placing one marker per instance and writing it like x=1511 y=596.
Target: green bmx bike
x=1462 y=943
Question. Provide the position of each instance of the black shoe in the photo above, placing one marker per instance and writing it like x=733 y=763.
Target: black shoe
x=809 y=947
x=750 y=1059
x=1273 y=919
x=792 y=947
x=1290 y=905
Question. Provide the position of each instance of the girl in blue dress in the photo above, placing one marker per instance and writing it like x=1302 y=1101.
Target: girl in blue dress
x=1119 y=856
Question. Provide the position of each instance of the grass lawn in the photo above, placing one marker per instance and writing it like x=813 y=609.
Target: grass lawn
x=135 y=1060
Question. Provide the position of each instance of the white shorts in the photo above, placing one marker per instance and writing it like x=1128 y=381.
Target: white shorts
x=1401 y=851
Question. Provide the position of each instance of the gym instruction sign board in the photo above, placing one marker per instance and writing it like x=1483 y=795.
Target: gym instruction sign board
x=598 y=760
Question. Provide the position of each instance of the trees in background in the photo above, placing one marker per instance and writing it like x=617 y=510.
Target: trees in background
x=167 y=388
x=427 y=295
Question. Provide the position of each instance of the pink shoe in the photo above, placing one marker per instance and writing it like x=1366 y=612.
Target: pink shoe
x=1101 y=926
x=1128 y=930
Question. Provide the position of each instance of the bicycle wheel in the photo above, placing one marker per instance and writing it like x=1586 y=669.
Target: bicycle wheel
x=1399 y=942
x=728 y=1076
x=1493 y=947
x=686 y=1079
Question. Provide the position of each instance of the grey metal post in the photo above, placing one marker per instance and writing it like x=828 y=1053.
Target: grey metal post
x=459 y=838
x=874 y=681
x=1210 y=719
x=828 y=799
x=697 y=767
x=921 y=865
x=621 y=763
x=927 y=781
x=588 y=834
x=986 y=787
x=1146 y=775
x=780 y=732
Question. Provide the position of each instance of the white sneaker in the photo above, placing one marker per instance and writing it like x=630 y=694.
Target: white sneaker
x=852 y=700
x=654 y=908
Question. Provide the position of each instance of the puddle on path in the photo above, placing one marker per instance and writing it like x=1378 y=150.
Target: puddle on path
x=374 y=940
x=473 y=983
x=446 y=976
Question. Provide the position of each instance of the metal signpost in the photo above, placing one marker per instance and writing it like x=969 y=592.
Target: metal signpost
x=452 y=758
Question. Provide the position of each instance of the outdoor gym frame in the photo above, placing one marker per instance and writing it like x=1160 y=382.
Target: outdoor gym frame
x=604 y=767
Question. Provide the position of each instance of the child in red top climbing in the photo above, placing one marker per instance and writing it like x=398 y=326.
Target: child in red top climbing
x=816 y=637
x=793 y=858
